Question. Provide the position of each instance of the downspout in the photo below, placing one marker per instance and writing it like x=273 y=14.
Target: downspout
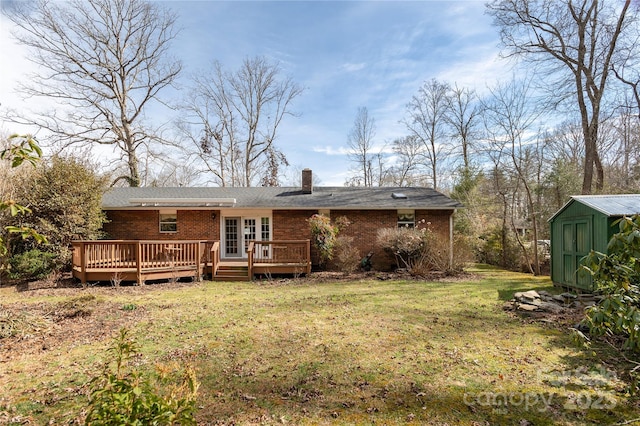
x=451 y=239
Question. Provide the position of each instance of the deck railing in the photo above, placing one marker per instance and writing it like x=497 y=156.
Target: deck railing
x=287 y=251
x=215 y=257
x=285 y=257
x=141 y=256
x=142 y=260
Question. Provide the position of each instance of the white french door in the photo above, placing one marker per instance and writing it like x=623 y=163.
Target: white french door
x=239 y=231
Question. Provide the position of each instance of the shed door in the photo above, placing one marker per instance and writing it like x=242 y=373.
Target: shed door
x=576 y=243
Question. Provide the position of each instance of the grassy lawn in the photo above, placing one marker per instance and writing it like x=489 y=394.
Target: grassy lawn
x=307 y=352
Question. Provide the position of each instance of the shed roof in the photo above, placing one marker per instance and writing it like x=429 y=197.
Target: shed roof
x=344 y=198
x=609 y=205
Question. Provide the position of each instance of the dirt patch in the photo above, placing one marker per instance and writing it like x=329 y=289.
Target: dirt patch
x=28 y=328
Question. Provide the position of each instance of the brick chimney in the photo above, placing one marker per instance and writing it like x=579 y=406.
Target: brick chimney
x=307 y=181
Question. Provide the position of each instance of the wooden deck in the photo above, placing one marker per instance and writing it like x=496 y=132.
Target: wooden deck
x=141 y=261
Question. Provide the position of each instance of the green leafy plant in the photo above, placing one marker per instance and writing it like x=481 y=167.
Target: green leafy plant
x=120 y=395
x=324 y=234
x=32 y=264
x=498 y=247
x=21 y=149
x=617 y=276
x=65 y=194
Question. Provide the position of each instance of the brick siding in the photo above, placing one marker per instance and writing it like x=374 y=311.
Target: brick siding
x=144 y=225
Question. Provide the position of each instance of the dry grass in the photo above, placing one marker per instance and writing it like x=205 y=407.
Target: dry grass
x=307 y=352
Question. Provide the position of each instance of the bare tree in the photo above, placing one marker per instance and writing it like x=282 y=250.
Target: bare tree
x=621 y=152
x=232 y=119
x=209 y=123
x=104 y=62
x=360 y=142
x=462 y=116
x=426 y=121
x=275 y=161
x=407 y=151
x=577 y=42
x=509 y=116
x=633 y=83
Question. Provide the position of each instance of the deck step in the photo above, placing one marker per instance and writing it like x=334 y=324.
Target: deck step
x=232 y=273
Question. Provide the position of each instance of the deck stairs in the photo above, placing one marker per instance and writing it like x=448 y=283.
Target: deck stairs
x=230 y=272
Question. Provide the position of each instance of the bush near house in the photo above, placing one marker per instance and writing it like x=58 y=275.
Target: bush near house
x=20 y=149
x=347 y=256
x=324 y=234
x=404 y=244
x=33 y=264
x=419 y=250
x=65 y=196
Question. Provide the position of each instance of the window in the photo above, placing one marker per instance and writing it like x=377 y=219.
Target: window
x=168 y=222
x=406 y=218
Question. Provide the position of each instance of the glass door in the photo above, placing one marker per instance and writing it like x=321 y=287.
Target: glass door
x=239 y=231
x=249 y=232
x=232 y=237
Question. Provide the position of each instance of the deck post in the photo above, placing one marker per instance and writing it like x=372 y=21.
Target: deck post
x=215 y=258
x=139 y=263
x=83 y=263
x=308 y=257
x=198 y=276
x=250 y=260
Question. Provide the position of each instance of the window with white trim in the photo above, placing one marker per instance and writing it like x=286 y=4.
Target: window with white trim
x=406 y=219
x=168 y=222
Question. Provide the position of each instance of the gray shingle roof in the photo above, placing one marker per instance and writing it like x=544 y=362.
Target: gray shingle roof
x=612 y=205
x=344 y=198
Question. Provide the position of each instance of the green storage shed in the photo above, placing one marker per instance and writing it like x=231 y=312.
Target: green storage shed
x=581 y=225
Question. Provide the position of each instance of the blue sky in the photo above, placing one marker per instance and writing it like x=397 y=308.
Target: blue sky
x=345 y=54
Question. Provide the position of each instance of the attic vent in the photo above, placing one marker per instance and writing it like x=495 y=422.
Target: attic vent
x=399 y=196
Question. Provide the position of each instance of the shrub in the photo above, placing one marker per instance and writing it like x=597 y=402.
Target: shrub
x=617 y=276
x=347 y=256
x=493 y=251
x=434 y=255
x=120 y=395
x=65 y=196
x=32 y=265
x=404 y=244
x=324 y=234
x=19 y=149
x=420 y=250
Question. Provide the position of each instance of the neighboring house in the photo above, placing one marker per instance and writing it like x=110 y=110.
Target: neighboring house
x=585 y=223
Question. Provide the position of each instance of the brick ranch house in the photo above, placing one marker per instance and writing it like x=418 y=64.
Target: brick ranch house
x=234 y=218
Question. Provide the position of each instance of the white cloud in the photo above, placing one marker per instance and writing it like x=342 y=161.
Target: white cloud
x=353 y=67
x=331 y=150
